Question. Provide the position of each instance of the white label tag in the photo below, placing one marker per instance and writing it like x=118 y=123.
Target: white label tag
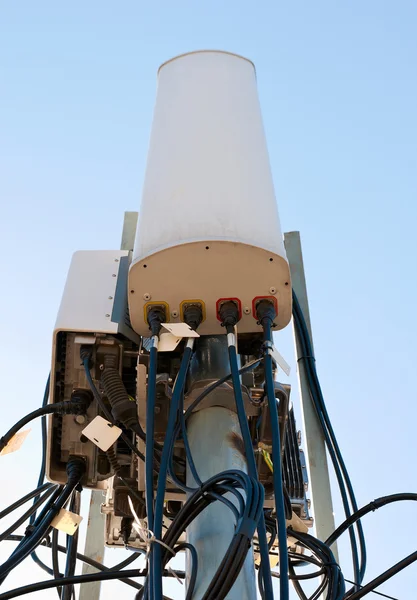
x=280 y=361
x=168 y=342
x=15 y=443
x=180 y=329
x=102 y=433
x=66 y=521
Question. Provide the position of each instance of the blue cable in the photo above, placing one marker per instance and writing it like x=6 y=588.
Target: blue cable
x=41 y=477
x=149 y=448
x=277 y=473
x=265 y=566
x=156 y=549
x=331 y=442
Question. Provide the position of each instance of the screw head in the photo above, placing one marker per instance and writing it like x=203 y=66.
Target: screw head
x=174 y=314
x=80 y=419
x=116 y=260
x=110 y=297
x=246 y=310
x=147 y=296
x=114 y=275
x=107 y=315
x=272 y=290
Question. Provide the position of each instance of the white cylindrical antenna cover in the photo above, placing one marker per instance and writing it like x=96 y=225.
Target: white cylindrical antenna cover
x=208 y=175
x=208 y=224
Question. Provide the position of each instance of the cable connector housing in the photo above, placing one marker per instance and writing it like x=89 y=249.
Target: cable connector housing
x=156 y=316
x=78 y=405
x=229 y=315
x=123 y=409
x=265 y=311
x=75 y=469
x=193 y=315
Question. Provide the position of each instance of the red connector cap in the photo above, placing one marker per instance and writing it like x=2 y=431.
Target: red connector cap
x=221 y=301
x=256 y=301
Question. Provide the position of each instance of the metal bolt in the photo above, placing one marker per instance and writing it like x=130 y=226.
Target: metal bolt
x=272 y=290
x=110 y=297
x=116 y=260
x=246 y=310
x=147 y=296
x=80 y=419
x=114 y=275
x=107 y=315
x=174 y=314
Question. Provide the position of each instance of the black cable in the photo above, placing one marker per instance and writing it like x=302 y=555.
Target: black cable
x=104 y=409
x=369 y=587
x=27 y=514
x=74 y=580
x=75 y=470
x=330 y=439
x=372 y=506
x=55 y=558
x=240 y=544
x=132 y=490
x=64 y=407
x=194 y=567
x=89 y=561
x=302 y=577
x=215 y=385
x=335 y=581
x=72 y=544
x=42 y=471
x=24 y=539
x=295 y=582
x=375 y=592
x=24 y=499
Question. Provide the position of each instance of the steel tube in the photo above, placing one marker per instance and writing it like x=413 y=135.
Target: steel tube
x=210 y=434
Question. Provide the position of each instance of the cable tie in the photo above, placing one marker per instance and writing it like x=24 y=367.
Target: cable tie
x=306 y=357
x=29 y=530
x=267 y=345
x=147 y=536
x=246 y=527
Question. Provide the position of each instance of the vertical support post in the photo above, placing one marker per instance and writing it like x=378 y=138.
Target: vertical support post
x=94 y=546
x=209 y=436
x=129 y=230
x=316 y=450
x=94 y=541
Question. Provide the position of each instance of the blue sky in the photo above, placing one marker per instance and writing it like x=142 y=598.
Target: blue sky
x=338 y=91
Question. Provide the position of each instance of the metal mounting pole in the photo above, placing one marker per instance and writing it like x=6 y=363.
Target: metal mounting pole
x=316 y=450
x=211 y=444
x=94 y=546
x=94 y=541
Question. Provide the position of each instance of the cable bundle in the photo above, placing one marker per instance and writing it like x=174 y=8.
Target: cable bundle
x=242 y=493
x=248 y=507
x=342 y=475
